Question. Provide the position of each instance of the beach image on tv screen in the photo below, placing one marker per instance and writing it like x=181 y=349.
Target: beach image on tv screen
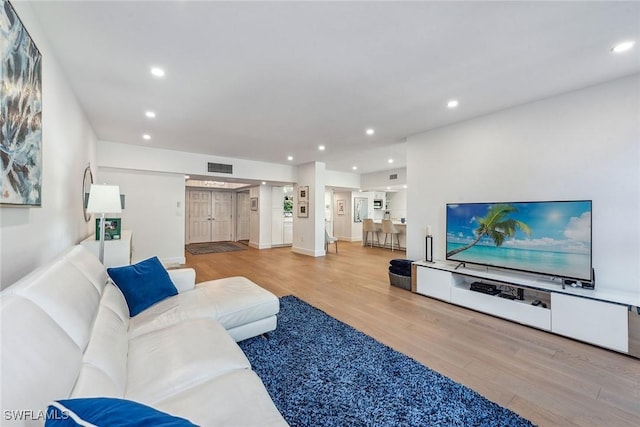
x=553 y=238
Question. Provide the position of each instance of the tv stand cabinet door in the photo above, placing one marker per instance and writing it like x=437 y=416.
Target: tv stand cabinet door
x=596 y=322
x=434 y=283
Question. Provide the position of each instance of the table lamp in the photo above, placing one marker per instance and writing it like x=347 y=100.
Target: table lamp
x=103 y=199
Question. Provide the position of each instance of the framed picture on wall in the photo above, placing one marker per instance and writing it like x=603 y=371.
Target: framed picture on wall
x=21 y=141
x=112 y=228
x=303 y=193
x=340 y=207
x=303 y=210
x=254 y=203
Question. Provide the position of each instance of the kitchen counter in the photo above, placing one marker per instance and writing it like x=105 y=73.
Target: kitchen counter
x=394 y=221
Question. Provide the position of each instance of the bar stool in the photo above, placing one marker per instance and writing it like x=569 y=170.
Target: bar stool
x=369 y=227
x=389 y=228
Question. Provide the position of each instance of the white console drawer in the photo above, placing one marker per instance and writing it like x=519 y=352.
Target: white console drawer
x=434 y=283
x=596 y=322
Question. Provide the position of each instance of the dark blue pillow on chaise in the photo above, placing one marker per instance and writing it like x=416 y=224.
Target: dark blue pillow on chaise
x=143 y=284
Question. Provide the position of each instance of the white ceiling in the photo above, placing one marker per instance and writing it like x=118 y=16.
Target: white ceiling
x=264 y=80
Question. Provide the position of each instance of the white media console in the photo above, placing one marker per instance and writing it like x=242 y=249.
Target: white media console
x=603 y=318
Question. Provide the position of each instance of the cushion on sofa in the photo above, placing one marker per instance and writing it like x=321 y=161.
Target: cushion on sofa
x=74 y=314
x=87 y=263
x=170 y=360
x=39 y=360
x=143 y=284
x=104 y=364
x=237 y=398
x=105 y=411
x=184 y=279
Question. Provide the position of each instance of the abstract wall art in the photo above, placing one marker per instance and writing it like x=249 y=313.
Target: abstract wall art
x=20 y=112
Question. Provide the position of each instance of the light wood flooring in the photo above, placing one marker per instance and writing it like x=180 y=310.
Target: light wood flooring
x=548 y=379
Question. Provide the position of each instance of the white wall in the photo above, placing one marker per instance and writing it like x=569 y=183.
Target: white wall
x=342 y=223
x=581 y=145
x=254 y=219
x=342 y=180
x=276 y=214
x=125 y=156
x=154 y=211
x=32 y=236
x=380 y=180
x=344 y=226
x=260 y=220
x=308 y=233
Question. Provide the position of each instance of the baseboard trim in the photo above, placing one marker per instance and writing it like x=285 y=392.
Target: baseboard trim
x=257 y=246
x=307 y=252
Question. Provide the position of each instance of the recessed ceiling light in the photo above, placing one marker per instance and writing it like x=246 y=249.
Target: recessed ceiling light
x=289 y=158
x=390 y=160
x=158 y=72
x=264 y=183
x=355 y=168
x=404 y=186
x=146 y=136
x=150 y=114
x=388 y=188
x=370 y=131
x=187 y=177
x=453 y=103
x=623 y=47
x=321 y=147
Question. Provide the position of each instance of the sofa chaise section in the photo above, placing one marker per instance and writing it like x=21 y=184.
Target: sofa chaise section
x=244 y=309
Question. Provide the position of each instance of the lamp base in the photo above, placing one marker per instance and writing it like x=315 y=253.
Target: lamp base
x=101 y=253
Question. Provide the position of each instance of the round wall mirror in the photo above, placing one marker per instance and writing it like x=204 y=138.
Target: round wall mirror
x=87 y=180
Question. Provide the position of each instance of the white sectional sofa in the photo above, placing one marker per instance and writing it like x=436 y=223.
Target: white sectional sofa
x=66 y=333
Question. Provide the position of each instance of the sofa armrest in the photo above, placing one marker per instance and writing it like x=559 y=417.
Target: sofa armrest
x=183 y=278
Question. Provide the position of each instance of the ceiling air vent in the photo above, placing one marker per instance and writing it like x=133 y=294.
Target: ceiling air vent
x=220 y=168
x=393 y=176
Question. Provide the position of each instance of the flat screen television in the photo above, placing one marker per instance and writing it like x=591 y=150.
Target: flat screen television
x=549 y=238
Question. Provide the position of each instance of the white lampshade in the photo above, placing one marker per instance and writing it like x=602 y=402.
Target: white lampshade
x=104 y=199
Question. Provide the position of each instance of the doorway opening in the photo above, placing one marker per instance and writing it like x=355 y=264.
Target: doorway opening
x=209 y=216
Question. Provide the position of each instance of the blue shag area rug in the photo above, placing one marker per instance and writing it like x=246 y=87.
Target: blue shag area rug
x=322 y=372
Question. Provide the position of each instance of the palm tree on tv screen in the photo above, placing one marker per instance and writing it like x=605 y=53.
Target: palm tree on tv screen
x=496 y=226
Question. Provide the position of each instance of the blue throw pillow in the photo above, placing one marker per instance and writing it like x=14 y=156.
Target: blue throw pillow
x=107 y=411
x=143 y=284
